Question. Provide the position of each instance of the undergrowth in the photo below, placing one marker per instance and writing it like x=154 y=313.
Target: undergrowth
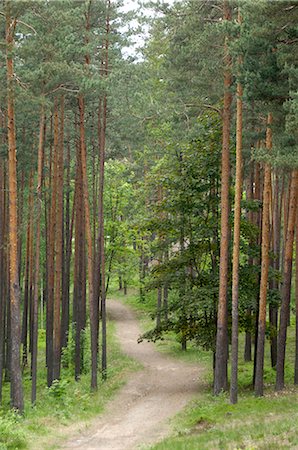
x=65 y=403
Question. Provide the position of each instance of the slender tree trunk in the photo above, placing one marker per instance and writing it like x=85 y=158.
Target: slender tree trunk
x=31 y=257
x=221 y=359
x=166 y=290
x=79 y=297
x=8 y=328
x=2 y=271
x=17 y=400
x=51 y=251
x=20 y=222
x=287 y=278
x=248 y=334
x=92 y=311
x=28 y=262
x=264 y=268
x=258 y=194
x=67 y=254
x=236 y=246
x=37 y=259
x=58 y=148
x=273 y=313
x=296 y=303
x=102 y=251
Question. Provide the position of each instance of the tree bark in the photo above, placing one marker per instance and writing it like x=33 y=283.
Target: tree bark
x=37 y=259
x=92 y=310
x=236 y=247
x=296 y=303
x=59 y=149
x=67 y=254
x=264 y=268
x=2 y=271
x=51 y=251
x=101 y=205
x=221 y=358
x=79 y=293
x=273 y=312
x=250 y=217
x=28 y=262
x=287 y=278
x=17 y=400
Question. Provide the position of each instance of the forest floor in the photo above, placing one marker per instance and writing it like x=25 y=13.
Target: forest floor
x=139 y=414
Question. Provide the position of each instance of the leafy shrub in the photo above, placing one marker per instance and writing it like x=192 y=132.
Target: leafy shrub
x=11 y=436
x=58 y=389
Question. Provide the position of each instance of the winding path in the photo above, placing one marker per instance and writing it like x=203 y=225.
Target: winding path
x=139 y=413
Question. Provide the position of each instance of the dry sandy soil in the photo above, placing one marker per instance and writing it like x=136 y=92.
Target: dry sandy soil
x=140 y=412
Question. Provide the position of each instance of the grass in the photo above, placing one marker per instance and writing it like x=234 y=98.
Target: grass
x=65 y=408
x=211 y=422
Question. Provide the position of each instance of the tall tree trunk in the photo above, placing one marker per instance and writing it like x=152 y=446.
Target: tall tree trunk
x=79 y=294
x=221 y=358
x=296 y=303
x=58 y=148
x=248 y=334
x=28 y=271
x=2 y=272
x=92 y=311
x=236 y=246
x=17 y=400
x=51 y=251
x=101 y=206
x=20 y=222
x=67 y=254
x=37 y=259
x=258 y=195
x=264 y=268
x=273 y=312
x=287 y=278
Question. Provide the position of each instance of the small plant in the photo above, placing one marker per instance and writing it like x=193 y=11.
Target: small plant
x=58 y=389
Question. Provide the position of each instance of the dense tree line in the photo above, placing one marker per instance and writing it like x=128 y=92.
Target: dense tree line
x=55 y=105
x=177 y=167
x=222 y=94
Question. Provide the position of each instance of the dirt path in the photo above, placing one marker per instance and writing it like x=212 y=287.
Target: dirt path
x=140 y=411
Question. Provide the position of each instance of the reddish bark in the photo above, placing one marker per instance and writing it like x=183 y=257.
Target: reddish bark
x=221 y=358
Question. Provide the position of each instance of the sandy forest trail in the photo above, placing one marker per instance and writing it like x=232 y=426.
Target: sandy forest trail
x=140 y=411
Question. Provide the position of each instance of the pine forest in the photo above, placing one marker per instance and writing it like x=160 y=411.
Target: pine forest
x=148 y=224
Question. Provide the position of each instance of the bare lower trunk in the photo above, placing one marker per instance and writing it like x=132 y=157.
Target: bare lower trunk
x=51 y=252
x=264 y=268
x=37 y=261
x=2 y=272
x=90 y=266
x=273 y=312
x=28 y=262
x=221 y=359
x=296 y=304
x=67 y=254
x=58 y=148
x=236 y=249
x=17 y=400
x=287 y=278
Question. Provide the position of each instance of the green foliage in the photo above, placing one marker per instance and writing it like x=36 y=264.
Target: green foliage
x=12 y=437
x=58 y=389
